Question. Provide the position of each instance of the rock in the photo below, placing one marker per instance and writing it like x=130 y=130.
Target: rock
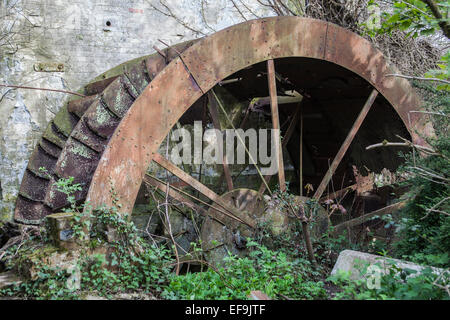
x=8 y=230
x=8 y=279
x=258 y=295
x=183 y=231
x=351 y=261
x=222 y=235
x=94 y=298
x=280 y=222
x=141 y=216
x=122 y=296
x=29 y=263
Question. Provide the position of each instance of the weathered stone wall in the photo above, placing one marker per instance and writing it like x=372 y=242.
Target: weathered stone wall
x=86 y=37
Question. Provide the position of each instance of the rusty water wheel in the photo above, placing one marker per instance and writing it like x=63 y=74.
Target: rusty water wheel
x=109 y=138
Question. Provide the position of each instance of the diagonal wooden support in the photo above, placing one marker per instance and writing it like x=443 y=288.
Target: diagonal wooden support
x=338 y=193
x=344 y=147
x=276 y=121
x=377 y=213
x=300 y=171
x=233 y=213
x=173 y=193
x=183 y=196
x=241 y=140
x=284 y=143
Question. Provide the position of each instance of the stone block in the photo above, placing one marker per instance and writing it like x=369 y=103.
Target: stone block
x=258 y=295
x=351 y=261
x=8 y=279
x=59 y=227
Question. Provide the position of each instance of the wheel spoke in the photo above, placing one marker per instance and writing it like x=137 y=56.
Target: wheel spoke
x=377 y=213
x=183 y=197
x=300 y=171
x=276 y=122
x=231 y=212
x=240 y=140
x=338 y=193
x=284 y=143
x=215 y=118
x=346 y=144
x=150 y=180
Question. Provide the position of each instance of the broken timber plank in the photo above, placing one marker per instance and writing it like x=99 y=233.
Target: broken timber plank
x=364 y=218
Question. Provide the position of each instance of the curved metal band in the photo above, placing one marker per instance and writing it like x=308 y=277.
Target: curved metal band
x=212 y=59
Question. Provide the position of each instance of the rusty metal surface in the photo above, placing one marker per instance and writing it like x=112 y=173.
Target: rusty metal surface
x=80 y=106
x=98 y=86
x=212 y=59
x=117 y=97
x=84 y=134
x=41 y=159
x=138 y=75
x=30 y=212
x=140 y=133
x=50 y=148
x=216 y=57
x=349 y=50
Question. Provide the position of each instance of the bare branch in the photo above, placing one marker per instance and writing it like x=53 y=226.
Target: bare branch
x=437 y=14
x=418 y=78
x=43 y=89
x=239 y=10
x=171 y=14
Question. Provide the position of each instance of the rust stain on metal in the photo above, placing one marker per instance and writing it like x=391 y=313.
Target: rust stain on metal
x=214 y=58
x=349 y=50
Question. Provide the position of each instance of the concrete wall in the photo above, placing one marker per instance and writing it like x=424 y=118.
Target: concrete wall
x=87 y=37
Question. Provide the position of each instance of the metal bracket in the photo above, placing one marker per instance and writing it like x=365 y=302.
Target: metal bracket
x=49 y=67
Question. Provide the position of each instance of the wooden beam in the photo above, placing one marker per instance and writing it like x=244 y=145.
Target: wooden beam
x=338 y=193
x=241 y=140
x=359 y=220
x=300 y=171
x=173 y=193
x=264 y=101
x=232 y=212
x=346 y=144
x=284 y=143
x=183 y=197
x=276 y=121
